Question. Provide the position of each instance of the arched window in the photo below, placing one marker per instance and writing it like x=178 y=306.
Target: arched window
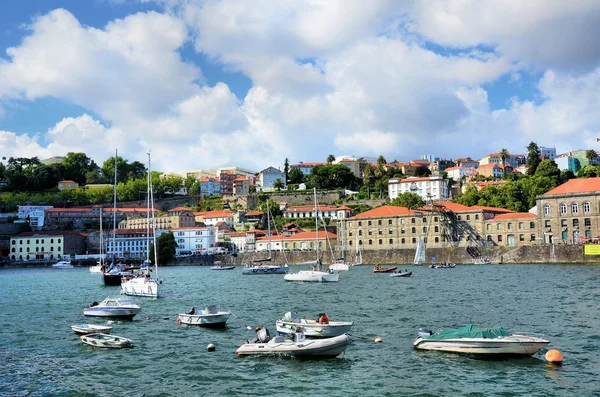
x=437 y=239
x=436 y=229
x=413 y=230
x=547 y=211
x=563 y=209
x=403 y=241
x=391 y=241
x=370 y=242
x=424 y=229
x=574 y=208
x=586 y=207
x=380 y=241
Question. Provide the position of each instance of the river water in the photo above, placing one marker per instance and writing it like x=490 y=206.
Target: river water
x=39 y=354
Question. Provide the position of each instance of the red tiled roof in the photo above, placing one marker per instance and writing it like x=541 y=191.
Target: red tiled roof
x=384 y=211
x=190 y=228
x=241 y=179
x=492 y=209
x=420 y=162
x=576 y=186
x=492 y=165
x=50 y=233
x=66 y=180
x=411 y=180
x=179 y=209
x=516 y=215
x=215 y=214
x=254 y=213
x=105 y=209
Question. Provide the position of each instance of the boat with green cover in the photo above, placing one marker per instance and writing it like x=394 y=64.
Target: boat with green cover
x=472 y=339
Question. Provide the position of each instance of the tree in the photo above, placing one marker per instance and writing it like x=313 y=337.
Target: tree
x=330 y=159
x=278 y=184
x=590 y=155
x=503 y=156
x=166 y=248
x=286 y=169
x=548 y=168
x=408 y=200
x=77 y=165
x=296 y=176
x=533 y=158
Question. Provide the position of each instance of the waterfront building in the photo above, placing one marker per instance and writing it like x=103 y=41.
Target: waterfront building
x=429 y=188
x=324 y=211
x=267 y=178
x=211 y=218
x=46 y=245
x=128 y=243
x=174 y=218
x=77 y=218
x=197 y=240
x=569 y=213
x=303 y=241
x=512 y=229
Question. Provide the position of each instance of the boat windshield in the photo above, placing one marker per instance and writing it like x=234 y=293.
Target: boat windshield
x=469 y=331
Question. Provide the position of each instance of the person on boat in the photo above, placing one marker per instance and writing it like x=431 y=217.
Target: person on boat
x=192 y=310
x=323 y=319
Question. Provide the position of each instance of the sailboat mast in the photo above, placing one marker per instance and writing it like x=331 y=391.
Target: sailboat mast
x=316 y=222
x=148 y=212
x=101 y=240
x=114 y=236
x=153 y=224
x=268 y=229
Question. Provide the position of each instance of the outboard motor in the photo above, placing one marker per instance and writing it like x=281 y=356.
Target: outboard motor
x=425 y=332
x=263 y=335
x=289 y=316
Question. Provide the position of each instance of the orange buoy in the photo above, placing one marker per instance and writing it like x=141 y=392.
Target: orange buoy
x=178 y=320
x=554 y=356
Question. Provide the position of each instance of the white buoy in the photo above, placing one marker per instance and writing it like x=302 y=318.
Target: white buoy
x=378 y=339
x=210 y=347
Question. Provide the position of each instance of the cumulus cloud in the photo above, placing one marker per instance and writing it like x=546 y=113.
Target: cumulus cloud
x=370 y=78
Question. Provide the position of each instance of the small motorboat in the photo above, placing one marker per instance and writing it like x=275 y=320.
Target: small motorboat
x=98 y=268
x=313 y=276
x=106 y=341
x=84 y=329
x=379 y=269
x=443 y=266
x=471 y=339
x=62 y=265
x=295 y=346
x=339 y=265
x=121 y=307
x=208 y=317
x=265 y=269
x=312 y=328
x=401 y=273
x=219 y=266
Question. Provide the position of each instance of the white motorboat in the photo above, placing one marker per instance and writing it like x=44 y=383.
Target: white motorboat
x=121 y=307
x=312 y=328
x=339 y=265
x=106 y=341
x=479 y=341
x=482 y=260
x=62 y=265
x=218 y=265
x=296 y=346
x=401 y=273
x=208 y=317
x=91 y=329
x=96 y=269
x=313 y=276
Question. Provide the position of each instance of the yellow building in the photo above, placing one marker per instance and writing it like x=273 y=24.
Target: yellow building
x=67 y=185
x=47 y=245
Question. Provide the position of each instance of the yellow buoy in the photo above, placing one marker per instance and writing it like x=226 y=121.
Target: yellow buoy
x=554 y=356
x=210 y=347
x=378 y=340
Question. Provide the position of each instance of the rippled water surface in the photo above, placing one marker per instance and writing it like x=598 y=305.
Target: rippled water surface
x=39 y=354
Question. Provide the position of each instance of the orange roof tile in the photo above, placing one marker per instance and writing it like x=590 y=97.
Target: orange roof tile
x=516 y=215
x=576 y=186
x=384 y=211
x=179 y=209
x=492 y=209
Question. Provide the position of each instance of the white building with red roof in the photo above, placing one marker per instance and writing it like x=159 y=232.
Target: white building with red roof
x=303 y=241
x=429 y=188
x=324 y=211
x=197 y=240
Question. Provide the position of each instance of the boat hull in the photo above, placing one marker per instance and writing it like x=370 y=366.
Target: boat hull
x=339 y=267
x=404 y=274
x=140 y=286
x=127 y=313
x=111 y=279
x=96 y=269
x=84 y=329
x=222 y=268
x=214 y=320
x=309 y=348
x=385 y=269
x=312 y=329
x=261 y=270
x=106 y=341
x=515 y=345
x=312 y=276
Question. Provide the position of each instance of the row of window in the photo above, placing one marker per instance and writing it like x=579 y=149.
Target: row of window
x=509 y=226
x=562 y=208
x=509 y=237
x=37 y=249
x=437 y=240
x=37 y=241
x=574 y=222
x=413 y=230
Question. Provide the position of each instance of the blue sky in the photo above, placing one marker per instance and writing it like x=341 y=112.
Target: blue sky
x=210 y=83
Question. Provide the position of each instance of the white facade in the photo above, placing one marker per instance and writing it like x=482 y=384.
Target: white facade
x=128 y=243
x=309 y=212
x=35 y=213
x=267 y=178
x=197 y=240
x=429 y=188
x=457 y=173
x=237 y=171
x=213 y=220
